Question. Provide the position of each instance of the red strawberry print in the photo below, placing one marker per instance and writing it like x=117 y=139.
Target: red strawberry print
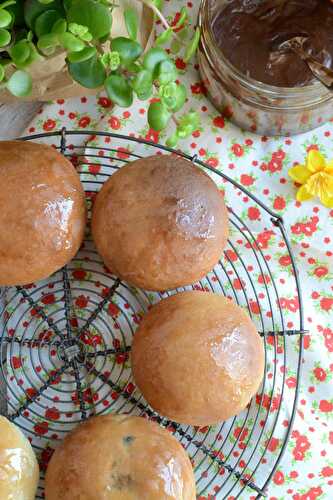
x=114 y=123
x=121 y=358
x=49 y=125
x=279 y=203
x=327 y=471
x=113 y=310
x=246 y=180
x=328 y=336
x=105 y=102
x=52 y=414
x=152 y=136
x=16 y=362
x=79 y=274
x=81 y=301
x=278 y=477
x=30 y=392
x=84 y=121
x=94 y=169
x=213 y=162
x=253 y=213
x=41 y=428
x=240 y=433
x=48 y=299
x=320 y=374
x=237 y=150
x=123 y=153
x=254 y=306
x=175 y=21
x=291 y=382
x=88 y=396
x=326 y=303
x=198 y=88
x=321 y=271
x=273 y=444
x=279 y=155
x=285 y=260
x=231 y=255
x=180 y=63
x=130 y=388
x=219 y=121
x=325 y=406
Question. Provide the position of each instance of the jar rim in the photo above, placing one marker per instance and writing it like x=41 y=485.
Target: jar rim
x=255 y=85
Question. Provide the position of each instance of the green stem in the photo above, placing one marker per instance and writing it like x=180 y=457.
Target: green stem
x=163 y=20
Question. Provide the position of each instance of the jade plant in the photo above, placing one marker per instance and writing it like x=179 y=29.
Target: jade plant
x=32 y=30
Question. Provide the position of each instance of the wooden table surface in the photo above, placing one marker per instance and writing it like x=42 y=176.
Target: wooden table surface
x=15 y=117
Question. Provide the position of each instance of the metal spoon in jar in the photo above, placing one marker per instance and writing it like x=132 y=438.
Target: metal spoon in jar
x=319 y=71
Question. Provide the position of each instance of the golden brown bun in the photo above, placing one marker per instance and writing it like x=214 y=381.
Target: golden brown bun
x=160 y=223
x=42 y=212
x=197 y=358
x=19 y=471
x=119 y=457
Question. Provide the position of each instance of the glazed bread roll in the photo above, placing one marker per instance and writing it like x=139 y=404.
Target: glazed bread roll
x=119 y=457
x=19 y=471
x=160 y=223
x=42 y=212
x=197 y=358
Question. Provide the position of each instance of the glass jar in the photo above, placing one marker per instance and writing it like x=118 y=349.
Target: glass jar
x=252 y=105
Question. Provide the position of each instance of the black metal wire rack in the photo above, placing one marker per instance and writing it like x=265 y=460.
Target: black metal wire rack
x=65 y=341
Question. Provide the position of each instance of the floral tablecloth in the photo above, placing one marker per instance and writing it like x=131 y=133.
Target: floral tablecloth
x=260 y=164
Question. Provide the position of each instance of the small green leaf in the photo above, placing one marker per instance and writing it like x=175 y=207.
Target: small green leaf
x=119 y=90
x=153 y=57
x=127 y=49
x=8 y=3
x=80 y=31
x=187 y=124
x=5 y=18
x=90 y=73
x=20 y=52
x=143 y=84
x=5 y=37
x=164 y=37
x=34 y=56
x=158 y=116
x=33 y=9
x=20 y=84
x=2 y=72
x=166 y=72
x=82 y=55
x=131 y=21
x=71 y=42
x=193 y=45
x=60 y=26
x=48 y=43
x=92 y=14
x=111 y=60
x=172 y=141
x=173 y=96
x=45 y=22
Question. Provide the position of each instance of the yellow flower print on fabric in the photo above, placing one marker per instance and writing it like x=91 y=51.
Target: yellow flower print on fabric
x=315 y=178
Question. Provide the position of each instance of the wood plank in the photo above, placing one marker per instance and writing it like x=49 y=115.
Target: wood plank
x=14 y=118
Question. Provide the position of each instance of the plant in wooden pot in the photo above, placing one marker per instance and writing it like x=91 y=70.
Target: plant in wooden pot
x=62 y=48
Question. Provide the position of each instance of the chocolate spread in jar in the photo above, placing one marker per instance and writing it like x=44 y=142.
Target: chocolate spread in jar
x=249 y=33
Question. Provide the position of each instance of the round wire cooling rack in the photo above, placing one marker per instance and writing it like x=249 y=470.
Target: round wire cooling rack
x=65 y=344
